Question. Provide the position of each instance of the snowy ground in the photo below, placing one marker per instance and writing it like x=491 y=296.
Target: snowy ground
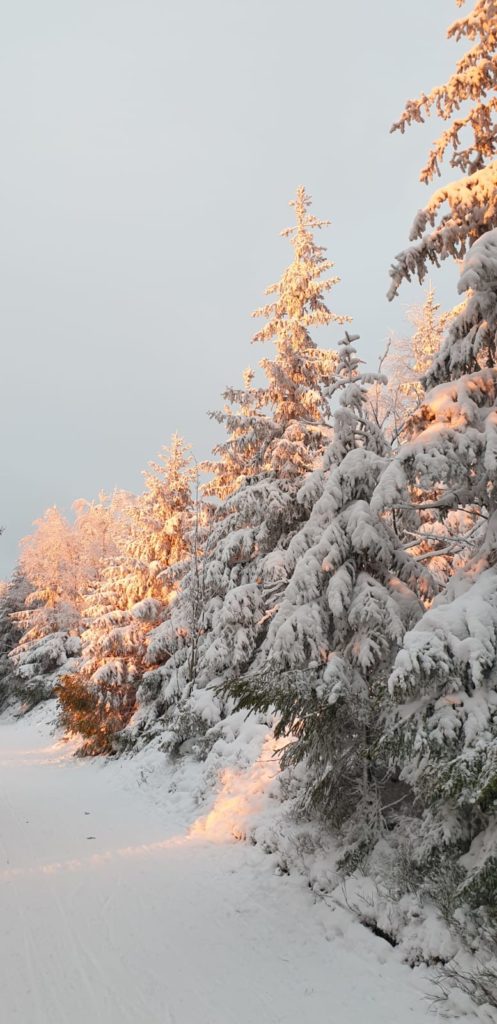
x=117 y=908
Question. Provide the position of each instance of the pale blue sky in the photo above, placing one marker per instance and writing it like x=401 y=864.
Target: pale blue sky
x=149 y=150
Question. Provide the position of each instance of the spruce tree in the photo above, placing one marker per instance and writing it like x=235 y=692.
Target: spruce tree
x=449 y=461
x=443 y=731
x=60 y=560
x=49 y=622
x=276 y=434
x=13 y=596
x=329 y=647
x=129 y=598
x=460 y=212
x=282 y=424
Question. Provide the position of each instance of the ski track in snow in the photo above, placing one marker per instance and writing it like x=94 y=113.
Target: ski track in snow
x=147 y=923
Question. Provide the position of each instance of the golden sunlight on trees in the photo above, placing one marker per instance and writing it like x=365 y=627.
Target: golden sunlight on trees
x=59 y=561
x=331 y=583
x=284 y=423
x=128 y=598
x=276 y=433
x=460 y=212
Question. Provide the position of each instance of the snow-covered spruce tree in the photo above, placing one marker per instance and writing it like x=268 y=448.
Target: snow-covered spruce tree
x=49 y=623
x=282 y=425
x=330 y=645
x=448 y=464
x=433 y=537
x=60 y=560
x=460 y=212
x=276 y=433
x=444 y=730
x=130 y=597
x=13 y=594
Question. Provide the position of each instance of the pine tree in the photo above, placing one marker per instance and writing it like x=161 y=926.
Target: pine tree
x=130 y=597
x=472 y=141
x=276 y=433
x=329 y=647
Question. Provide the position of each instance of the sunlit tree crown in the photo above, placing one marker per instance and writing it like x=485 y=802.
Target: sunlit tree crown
x=282 y=425
x=297 y=375
x=462 y=211
x=130 y=596
x=157 y=534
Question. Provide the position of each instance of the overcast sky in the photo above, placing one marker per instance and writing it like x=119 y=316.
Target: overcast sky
x=149 y=150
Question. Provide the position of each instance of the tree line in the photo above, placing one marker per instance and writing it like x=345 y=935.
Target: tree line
x=333 y=567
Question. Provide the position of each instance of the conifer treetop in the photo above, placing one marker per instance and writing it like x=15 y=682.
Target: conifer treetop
x=300 y=289
x=353 y=425
x=282 y=425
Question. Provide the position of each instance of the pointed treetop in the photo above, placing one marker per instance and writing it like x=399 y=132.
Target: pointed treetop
x=300 y=303
x=283 y=424
x=300 y=233
x=353 y=425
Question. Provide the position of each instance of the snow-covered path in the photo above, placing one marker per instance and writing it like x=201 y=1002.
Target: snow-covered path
x=112 y=914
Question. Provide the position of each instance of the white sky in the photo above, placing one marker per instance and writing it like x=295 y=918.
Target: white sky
x=149 y=150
